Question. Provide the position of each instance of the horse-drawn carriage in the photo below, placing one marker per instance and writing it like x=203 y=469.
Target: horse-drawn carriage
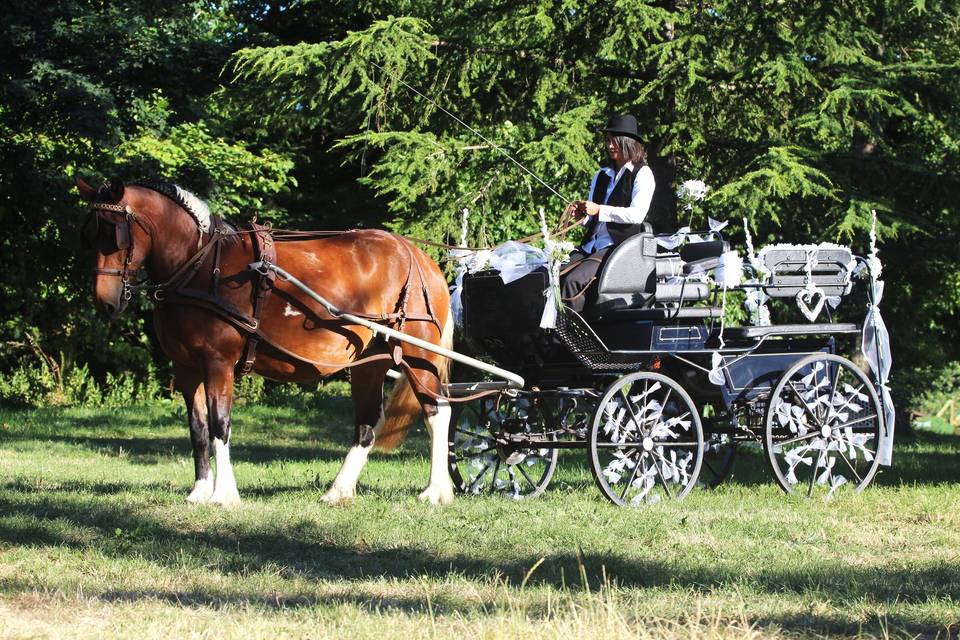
x=660 y=392
x=648 y=378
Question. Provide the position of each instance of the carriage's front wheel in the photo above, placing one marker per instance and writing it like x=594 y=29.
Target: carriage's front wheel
x=483 y=459
x=823 y=427
x=646 y=443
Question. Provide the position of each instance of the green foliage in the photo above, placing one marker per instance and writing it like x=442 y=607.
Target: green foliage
x=926 y=389
x=801 y=118
x=40 y=385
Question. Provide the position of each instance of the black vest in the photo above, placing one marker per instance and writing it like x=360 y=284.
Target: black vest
x=621 y=196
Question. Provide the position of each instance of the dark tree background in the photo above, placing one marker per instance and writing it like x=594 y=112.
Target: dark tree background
x=801 y=117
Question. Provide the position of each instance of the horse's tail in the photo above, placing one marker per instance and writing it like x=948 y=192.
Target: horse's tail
x=403 y=405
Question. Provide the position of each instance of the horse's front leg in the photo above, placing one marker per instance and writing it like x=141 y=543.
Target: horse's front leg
x=219 y=392
x=189 y=383
x=366 y=389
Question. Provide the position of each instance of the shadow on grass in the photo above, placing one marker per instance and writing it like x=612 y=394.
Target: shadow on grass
x=156 y=450
x=307 y=549
x=927 y=459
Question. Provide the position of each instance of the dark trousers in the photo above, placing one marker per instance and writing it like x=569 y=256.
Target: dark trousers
x=578 y=278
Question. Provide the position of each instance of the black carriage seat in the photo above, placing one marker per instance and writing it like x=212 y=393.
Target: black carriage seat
x=631 y=283
x=788 y=271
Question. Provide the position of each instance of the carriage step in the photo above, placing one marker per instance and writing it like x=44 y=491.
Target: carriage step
x=751 y=333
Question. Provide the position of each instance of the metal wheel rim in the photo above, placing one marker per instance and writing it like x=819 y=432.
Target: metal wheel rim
x=527 y=478
x=837 y=456
x=656 y=462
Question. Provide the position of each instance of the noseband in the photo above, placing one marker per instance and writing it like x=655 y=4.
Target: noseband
x=100 y=213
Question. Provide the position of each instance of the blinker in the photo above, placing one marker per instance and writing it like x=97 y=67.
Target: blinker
x=123 y=236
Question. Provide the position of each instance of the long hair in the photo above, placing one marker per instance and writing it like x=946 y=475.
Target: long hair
x=632 y=150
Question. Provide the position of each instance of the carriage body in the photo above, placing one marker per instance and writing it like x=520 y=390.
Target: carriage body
x=652 y=326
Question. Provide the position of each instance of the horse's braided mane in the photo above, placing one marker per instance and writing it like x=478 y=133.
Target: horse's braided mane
x=193 y=205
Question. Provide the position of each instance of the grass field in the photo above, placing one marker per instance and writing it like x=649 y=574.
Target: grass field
x=97 y=541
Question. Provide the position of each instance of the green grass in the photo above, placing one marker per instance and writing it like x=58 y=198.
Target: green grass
x=97 y=541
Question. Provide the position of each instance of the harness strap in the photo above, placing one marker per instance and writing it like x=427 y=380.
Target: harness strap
x=265 y=250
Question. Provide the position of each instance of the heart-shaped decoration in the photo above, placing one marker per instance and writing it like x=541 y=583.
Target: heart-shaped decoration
x=811 y=302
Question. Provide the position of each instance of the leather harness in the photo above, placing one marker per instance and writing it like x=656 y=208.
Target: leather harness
x=176 y=289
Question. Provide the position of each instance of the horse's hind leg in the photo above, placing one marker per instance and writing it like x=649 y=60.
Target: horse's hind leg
x=440 y=489
x=189 y=384
x=427 y=369
x=219 y=391
x=367 y=391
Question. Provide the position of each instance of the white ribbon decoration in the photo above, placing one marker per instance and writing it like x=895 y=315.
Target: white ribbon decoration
x=875 y=344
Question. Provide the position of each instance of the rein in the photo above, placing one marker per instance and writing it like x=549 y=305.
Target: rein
x=561 y=229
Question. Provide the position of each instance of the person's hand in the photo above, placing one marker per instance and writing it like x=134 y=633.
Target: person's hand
x=573 y=210
x=582 y=208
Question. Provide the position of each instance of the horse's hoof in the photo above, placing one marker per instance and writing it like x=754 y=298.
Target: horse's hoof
x=225 y=499
x=202 y=492
x=435 y=495
x=337 y=496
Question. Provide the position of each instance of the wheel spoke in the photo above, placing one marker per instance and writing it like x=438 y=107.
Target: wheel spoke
x=850 y=466
x=804 y=404
x=805 y=436
x=816 y=469
x=493 y=481
x=523 y=472
x=633 y=476
x=676 y=445
x=475 y=434
x=663 y=406
x=474 y=482
x=633 y=415
x=833 y=389
x=846 y=425
x=663 y=480
x=477 y=452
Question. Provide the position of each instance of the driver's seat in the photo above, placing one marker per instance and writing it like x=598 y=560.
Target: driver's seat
x=634 y=279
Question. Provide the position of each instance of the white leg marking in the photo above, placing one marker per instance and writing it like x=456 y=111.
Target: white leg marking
x=225 y=488
x=344 y=487
x=440 y=489
x=202 y=490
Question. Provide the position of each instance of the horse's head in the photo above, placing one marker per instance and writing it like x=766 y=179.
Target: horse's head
x=121 y=241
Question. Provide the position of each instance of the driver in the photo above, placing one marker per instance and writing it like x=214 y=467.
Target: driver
x=619 y=199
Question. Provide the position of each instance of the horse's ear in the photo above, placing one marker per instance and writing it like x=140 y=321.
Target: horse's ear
x=87 y=192
x=116 y=188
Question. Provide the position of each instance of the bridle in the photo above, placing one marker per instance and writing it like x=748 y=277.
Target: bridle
x=100 y=213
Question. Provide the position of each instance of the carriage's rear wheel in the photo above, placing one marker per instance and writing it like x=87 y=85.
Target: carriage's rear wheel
x=483 y=461
x=646 y=443
x=823 y=427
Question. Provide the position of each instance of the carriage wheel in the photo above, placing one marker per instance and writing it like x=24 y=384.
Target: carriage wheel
x=646 y=443
x=719 y=452
x=482 y=463
x=823 y=427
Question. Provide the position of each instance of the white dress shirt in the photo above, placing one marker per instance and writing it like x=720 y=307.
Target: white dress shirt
x=643 y=186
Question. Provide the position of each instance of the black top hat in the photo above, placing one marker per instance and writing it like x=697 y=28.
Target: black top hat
x=625 y=125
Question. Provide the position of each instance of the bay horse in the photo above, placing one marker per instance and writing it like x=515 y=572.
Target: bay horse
x=215 y=317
